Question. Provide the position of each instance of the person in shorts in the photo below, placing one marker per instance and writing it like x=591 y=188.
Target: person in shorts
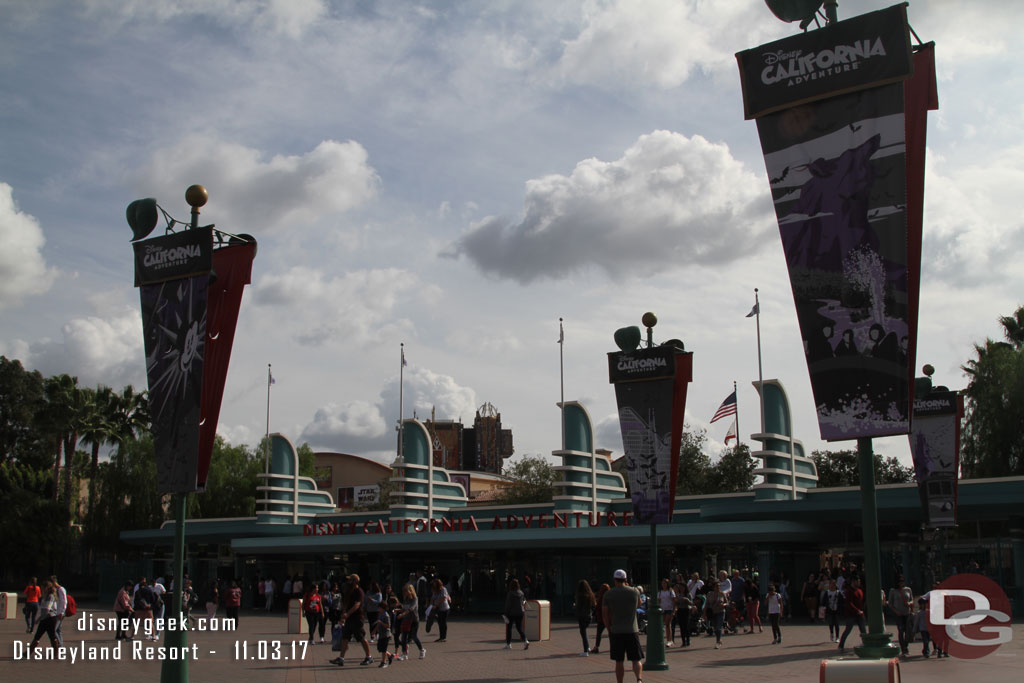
x=382 y=629
x=619 y=611
x=353 y=622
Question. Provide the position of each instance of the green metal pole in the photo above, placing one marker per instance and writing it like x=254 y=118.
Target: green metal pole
x=877 y=643
x=655 y=626
x=176 y=670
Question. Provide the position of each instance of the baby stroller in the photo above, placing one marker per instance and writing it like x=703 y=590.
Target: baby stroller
x=641 y=619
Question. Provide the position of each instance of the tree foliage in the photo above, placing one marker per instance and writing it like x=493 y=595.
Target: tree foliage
x=231 y=483
x=991 y=442
x=731 y=473
x=840 y=468
x=532 y=481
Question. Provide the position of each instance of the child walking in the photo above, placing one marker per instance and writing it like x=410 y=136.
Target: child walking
x=921 y=623
x=774 y=600
x=382 y=629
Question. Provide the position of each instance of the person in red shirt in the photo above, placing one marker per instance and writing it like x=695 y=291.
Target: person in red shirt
x=854 y=611
x=31 y=605
x=312 y=605
x=233 y=600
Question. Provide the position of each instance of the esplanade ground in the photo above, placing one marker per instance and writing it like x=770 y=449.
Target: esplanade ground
x=474 y=652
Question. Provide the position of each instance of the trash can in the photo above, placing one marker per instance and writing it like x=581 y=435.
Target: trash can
x=538 y=620
x=860 y=670
x=8 y=605
x=296 y=619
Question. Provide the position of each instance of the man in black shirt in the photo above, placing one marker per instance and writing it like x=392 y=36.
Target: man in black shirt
x=353 y=622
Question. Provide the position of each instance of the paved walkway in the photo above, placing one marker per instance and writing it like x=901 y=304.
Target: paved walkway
x=474 y=653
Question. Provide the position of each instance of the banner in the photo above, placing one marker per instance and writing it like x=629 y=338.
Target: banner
x=935 y=446
x=864 y=51
x=174 y=256
x=174 y=328
x=232 y=265
x=650 y=391
x=838 y=169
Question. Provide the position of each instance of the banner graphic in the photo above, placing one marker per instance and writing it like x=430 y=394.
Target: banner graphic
x=650 y=390
x=174 y=329
x=935 y=446
x=846 y=171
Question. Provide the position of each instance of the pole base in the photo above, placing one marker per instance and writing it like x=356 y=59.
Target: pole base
x=877 y=646
x=655 y=660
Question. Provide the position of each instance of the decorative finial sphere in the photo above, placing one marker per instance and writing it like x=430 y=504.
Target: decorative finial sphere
x=196 y=196
x=928 y=370
x=649 y=319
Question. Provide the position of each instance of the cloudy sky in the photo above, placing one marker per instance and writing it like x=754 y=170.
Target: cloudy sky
x=457 y=176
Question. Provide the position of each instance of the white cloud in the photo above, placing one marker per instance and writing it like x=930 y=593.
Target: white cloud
x=274 y=17
x=357 y=307
x=260 y=194
x=968 y=222
x=357 y=426
x=660 y=43
x=23 y=271
x=668 y=201
x=104 y=349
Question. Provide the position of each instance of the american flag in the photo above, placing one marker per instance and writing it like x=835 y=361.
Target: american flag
x=727 y=408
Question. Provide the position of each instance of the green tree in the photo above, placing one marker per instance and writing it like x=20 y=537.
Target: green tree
x=733 y=473
x=991 y=442
x=694 y=476
x=532 y=480
x=21 y=396
x=840 y=468
x=231 y=483
x=36 y=530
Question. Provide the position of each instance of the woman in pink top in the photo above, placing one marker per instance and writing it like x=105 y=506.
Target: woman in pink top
x=123 y=610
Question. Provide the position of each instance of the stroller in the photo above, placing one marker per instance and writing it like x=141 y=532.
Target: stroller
x=641 y=619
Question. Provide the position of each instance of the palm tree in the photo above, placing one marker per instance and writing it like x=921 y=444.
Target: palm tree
x=1013 y=327
x=99 y=428
x=130 y=414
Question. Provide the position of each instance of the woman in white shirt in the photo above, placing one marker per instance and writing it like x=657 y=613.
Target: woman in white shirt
x=667 y=603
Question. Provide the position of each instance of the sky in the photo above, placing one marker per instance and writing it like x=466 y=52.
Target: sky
x=457 y=177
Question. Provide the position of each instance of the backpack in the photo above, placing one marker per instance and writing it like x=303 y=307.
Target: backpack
x=72 y=608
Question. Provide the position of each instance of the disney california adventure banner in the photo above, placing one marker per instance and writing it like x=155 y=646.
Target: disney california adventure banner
x=843 y=143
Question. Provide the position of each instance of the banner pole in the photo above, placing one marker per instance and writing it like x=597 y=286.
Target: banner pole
x=655 y=660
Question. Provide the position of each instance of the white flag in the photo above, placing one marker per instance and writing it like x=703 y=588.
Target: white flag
x=731 y=433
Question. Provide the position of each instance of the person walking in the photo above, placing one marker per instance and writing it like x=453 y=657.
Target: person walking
x=441 y=603
x=47 y=617
x=619 y=611
x=774 y=600
x=269 y=588
x=212 y=599
x=685 y=611
x=232 y=601
x=410 y=622
x=123 y=611
x=753 y=603
x=854 y=610
x=515 y=604
x=599 y=616
x=667 y=603
x=353 y=622
x=31 y=610
x=718 y=602
x=312 y=606
x=901 y=602
x=142 y=604
x=382 y=627
x=809 y=594
x=62 y=606
x=832 y=598
x=584 y=603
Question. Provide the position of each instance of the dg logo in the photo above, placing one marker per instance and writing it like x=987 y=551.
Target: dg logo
x=969 y=616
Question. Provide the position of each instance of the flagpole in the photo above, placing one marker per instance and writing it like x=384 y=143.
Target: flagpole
x=266 y=444
x=401 y=401
x=737 y=415
x=561 y=375
x=760 y=367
